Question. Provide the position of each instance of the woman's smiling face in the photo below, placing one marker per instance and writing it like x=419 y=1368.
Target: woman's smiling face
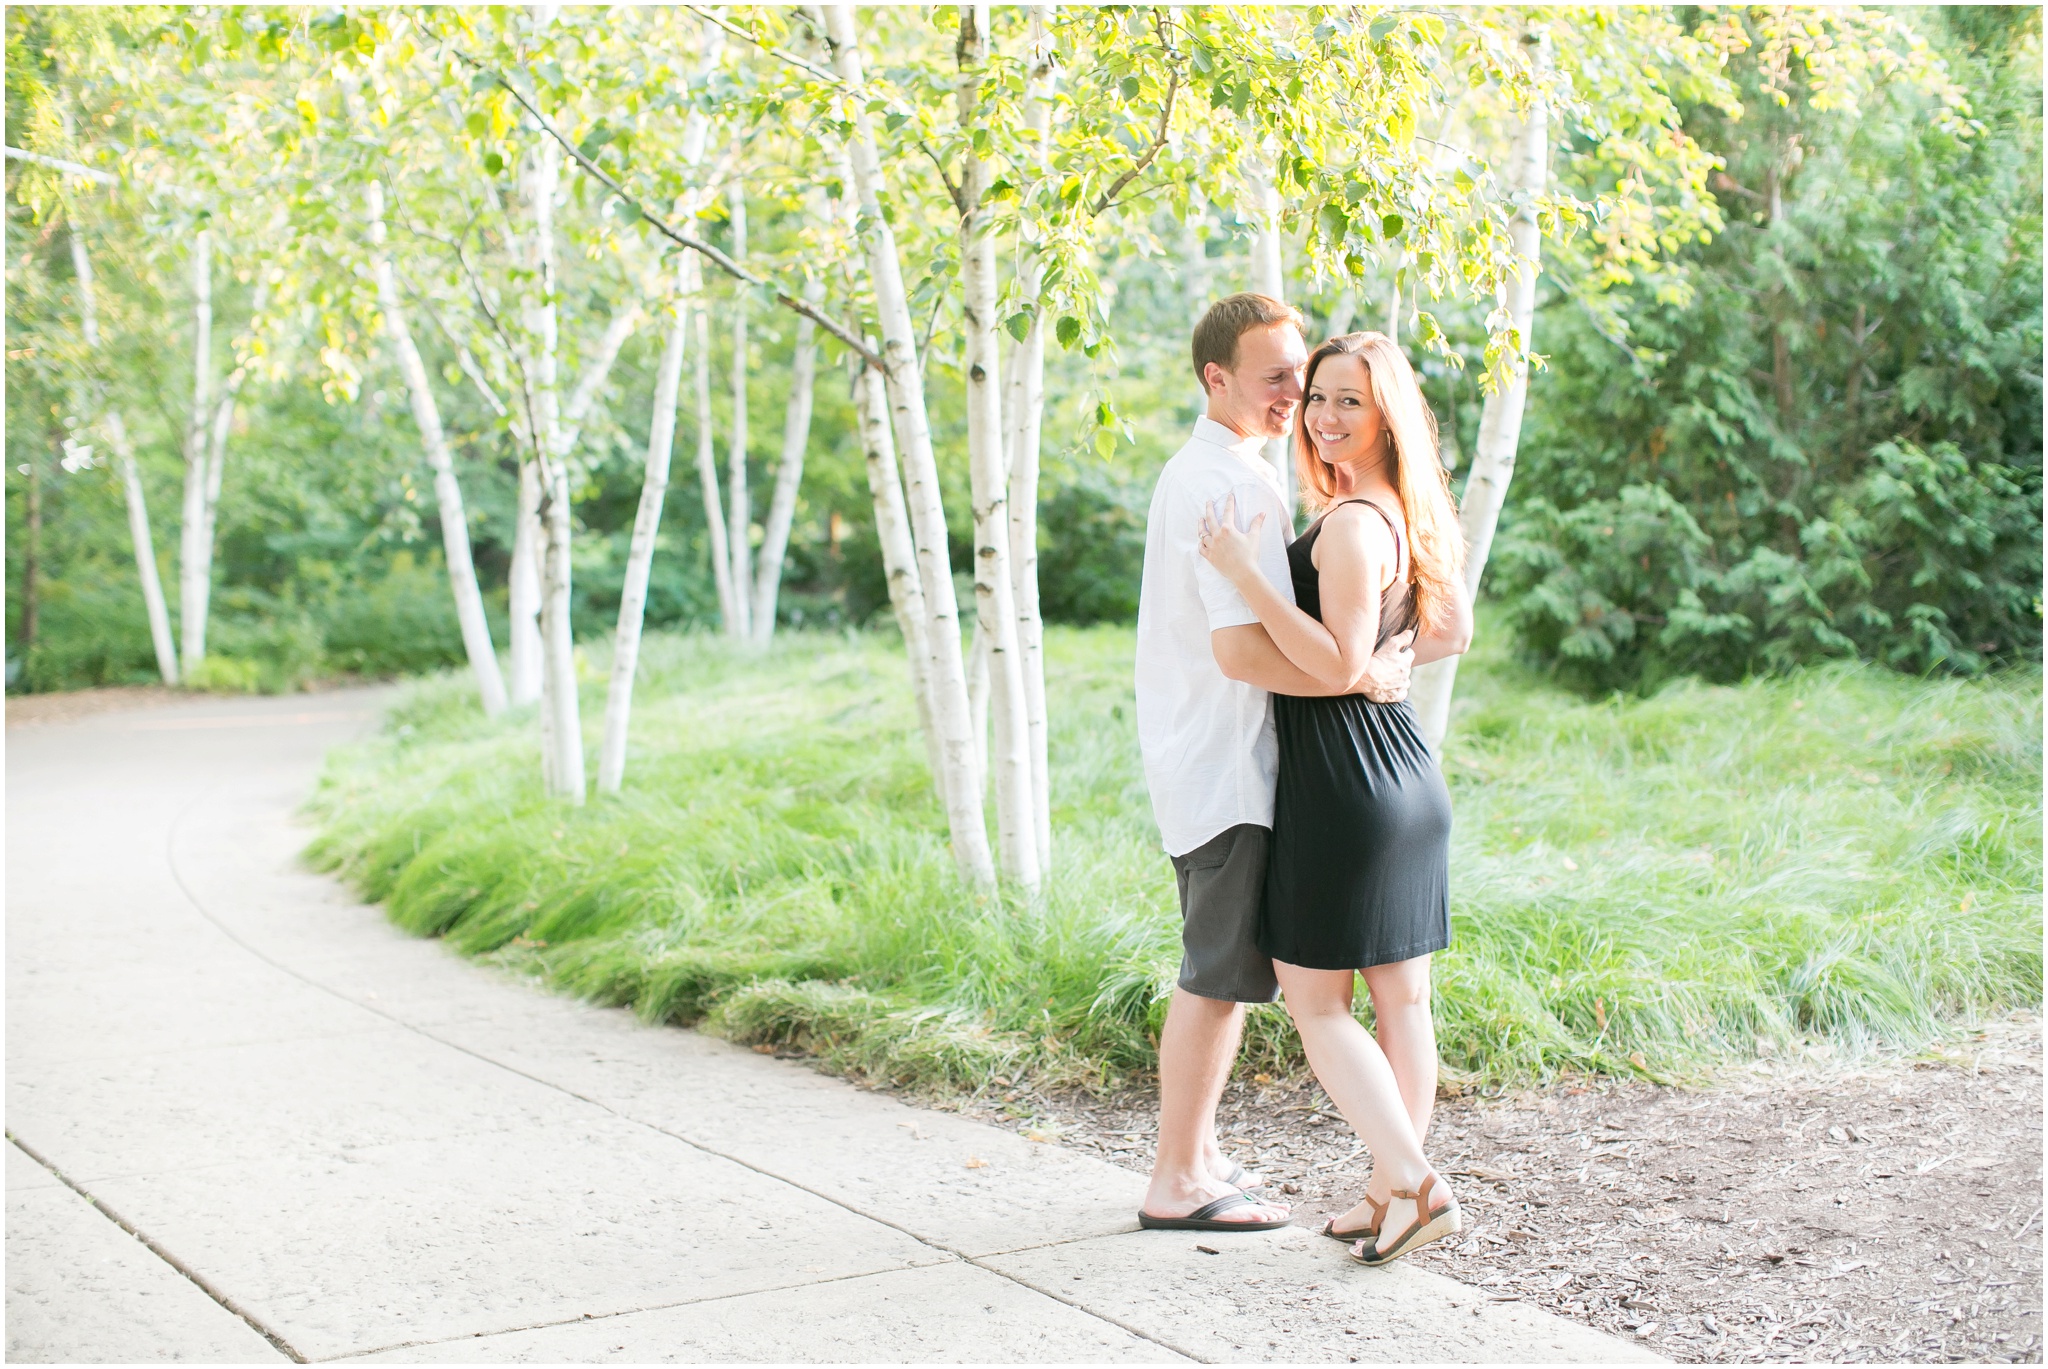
x=1342 y=418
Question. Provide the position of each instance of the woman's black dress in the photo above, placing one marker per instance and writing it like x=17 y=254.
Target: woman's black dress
x=1360 y=868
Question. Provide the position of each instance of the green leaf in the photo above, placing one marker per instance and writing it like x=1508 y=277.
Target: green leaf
x=1391 y=226
x=1105 y=443
x=494 y=164
x=1068 y=331
x=1019 y=325
x=1129 y=86
x=894 y=122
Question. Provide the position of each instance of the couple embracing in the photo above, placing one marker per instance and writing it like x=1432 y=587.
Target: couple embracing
x=1308 y=823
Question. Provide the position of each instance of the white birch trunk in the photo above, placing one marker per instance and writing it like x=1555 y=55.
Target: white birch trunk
x=995 y=598
x=563 y=735
x=789 y=472
x=899 y=553
x=912 y=428
x=739 y=512
x=707 y=478
x=145 y=552
x=618 y=704
x=1269 y=277
x=1024 y=413
x=1500 y=422
x=977 y=704
x=426 y=415
x=131 y=478
x=525 y=582
x=193 y=575
x=529 y=537
x=584 y=397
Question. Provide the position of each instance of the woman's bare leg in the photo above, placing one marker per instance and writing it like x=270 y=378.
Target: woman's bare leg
x=1354 y=1071
x=1407 y=1037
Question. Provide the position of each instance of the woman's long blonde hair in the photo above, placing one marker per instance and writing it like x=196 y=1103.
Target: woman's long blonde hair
x=1436 y=547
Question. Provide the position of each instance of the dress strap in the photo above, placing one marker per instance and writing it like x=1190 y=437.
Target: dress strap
x=1400 y=546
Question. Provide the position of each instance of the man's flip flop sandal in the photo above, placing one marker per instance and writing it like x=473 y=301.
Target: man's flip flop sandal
x=1204 y=1218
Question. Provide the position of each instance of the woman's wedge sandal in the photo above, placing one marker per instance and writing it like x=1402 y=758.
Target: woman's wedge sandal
x=1205 y=1218
x=1369 y=1232
x=1430 y=1224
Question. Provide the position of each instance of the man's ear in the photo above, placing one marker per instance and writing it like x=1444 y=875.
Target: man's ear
x=1212 y=376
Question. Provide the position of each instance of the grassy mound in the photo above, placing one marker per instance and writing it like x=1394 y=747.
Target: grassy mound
x=1843 y=856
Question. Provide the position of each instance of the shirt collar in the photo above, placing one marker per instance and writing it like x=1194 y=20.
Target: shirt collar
x=1248 y=448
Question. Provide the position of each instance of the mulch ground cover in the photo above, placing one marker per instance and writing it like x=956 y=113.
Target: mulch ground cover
x=1792 y=1210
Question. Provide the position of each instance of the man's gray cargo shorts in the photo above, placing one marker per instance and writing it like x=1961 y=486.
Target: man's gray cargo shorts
x=1222 y=889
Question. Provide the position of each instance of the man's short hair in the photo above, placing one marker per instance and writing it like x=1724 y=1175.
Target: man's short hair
x=1229 y=319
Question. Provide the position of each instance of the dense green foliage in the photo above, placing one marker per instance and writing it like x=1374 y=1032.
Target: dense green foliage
x=1838 y=855
x=1831 y=446
x=1816 y=437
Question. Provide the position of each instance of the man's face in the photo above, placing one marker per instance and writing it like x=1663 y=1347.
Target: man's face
x=1258 y=396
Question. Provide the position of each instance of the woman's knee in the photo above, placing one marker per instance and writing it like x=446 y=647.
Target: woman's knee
x=1398 y=986
x=1314 y=994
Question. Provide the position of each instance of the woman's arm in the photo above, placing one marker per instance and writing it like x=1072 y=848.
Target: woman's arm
x=1337 y=651
x=1247 y=654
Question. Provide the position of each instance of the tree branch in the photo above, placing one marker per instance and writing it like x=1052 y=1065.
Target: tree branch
x=711 y=17
x=724 y=263
x=59 y=164
x=1116 y=187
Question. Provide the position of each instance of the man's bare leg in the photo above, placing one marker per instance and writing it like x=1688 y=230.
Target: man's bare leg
x=1196 y=1051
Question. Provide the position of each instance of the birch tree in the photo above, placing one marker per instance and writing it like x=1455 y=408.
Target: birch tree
x=994 y=592
x=739 y=508
x=1024 y=417
x=946 y=673
x=131 y=477
x=789 y=469
x=1500 y=423
x=426 y=413
x=193 y=580
x=618 y=707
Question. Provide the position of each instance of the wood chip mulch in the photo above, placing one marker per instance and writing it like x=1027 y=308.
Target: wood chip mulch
x=1791 y=1211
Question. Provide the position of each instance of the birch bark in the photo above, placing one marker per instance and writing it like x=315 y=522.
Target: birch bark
x=525 y=583
x=1500 y=421
x=1024 y=411
x=618 y=708
x=994 y=594
x=618 y=702
x=912 y=429
x=426 y=414
x=899 y=554
x=145 y=552
x=707 y=467
x=789 y=472
x=563 y=733
x=192 y=561
x=738 y=508
x=131 y=478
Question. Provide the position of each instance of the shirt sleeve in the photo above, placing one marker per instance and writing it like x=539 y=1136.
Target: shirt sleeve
x=1220 y=599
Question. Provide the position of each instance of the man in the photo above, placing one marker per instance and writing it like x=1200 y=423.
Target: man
x=1206 y=671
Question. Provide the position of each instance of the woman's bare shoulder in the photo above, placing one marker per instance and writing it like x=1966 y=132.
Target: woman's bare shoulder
x=1355 y=532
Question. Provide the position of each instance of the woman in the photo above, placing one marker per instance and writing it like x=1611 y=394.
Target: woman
x=1358 y=880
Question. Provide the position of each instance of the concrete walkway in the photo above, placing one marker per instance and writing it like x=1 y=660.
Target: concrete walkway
x=251 y=1121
